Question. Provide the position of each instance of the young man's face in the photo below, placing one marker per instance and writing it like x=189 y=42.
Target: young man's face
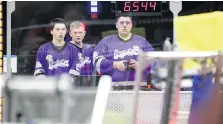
x=124 y=25
x=77 y=34
x=59 y=31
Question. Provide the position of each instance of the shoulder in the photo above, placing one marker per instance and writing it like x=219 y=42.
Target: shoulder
x=89 y=46
x=138 y=37
x=141 y=39
x=71 y=46
x=44 y=46
x=109 y=38
x=69 y=43
x=104 y=42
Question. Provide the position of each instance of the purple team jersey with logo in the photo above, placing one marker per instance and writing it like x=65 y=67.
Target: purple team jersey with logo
x=51 y=61
x=85 y=60
x=113 y=48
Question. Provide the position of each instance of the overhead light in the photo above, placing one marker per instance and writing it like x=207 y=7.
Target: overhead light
x=94 y=9
x=94 y=3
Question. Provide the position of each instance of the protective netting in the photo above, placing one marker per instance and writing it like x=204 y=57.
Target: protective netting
x=45 y=107
x=120 y=107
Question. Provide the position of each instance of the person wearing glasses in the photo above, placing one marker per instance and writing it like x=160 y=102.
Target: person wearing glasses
x=116 y=55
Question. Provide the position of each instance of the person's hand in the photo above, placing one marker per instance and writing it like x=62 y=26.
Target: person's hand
x=132 y=64
x=120 y=65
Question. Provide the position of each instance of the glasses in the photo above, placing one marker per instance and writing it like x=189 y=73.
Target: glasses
x=124 y=22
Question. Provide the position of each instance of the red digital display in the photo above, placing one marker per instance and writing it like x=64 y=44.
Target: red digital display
x=139 y=6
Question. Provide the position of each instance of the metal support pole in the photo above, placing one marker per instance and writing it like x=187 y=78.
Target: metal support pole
x=175 y=7
x=174 y=33
x=10 y=9
x=139 y=72
x=172 y=92
x=174 y=80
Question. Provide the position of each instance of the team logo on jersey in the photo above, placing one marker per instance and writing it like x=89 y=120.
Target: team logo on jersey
x=38 y=65
x=57 y=63
x=129 y=52
x=49 y=58
x=95 y=54
x=82 y=61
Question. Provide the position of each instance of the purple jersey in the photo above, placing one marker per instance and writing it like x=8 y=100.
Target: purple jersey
x=85 y=59
x=51 y=61
x=113 y=48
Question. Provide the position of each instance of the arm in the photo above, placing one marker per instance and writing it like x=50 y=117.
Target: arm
x=39 y=67
x=74 y=70
x=100 y=61
x=102 y=65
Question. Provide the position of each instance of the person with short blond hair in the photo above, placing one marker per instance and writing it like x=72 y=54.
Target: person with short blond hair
x=85 y=51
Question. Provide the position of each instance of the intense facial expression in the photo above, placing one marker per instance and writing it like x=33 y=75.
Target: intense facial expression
x=77 y=34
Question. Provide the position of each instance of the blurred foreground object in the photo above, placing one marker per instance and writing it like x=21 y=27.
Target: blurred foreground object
x=199 y=32
x=203 y=32
x=207 y=102
x=171 y=98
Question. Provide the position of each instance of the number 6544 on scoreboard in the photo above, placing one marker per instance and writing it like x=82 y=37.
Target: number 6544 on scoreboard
x=139 y=8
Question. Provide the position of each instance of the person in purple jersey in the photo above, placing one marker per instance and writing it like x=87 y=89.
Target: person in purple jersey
x=85 y=51
x=116 y=55
x=56 y=57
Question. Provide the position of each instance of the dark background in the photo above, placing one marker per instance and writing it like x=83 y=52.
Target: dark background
x=30 y=19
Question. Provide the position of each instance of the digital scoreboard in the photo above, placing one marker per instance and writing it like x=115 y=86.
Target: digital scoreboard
x=138 y=8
